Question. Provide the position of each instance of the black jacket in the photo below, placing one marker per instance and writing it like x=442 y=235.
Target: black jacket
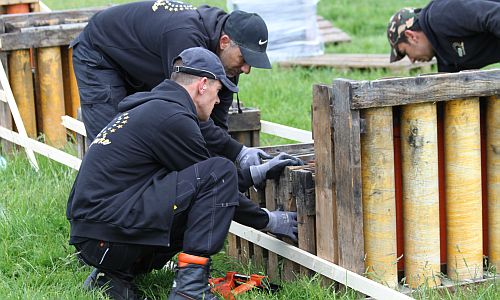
x=126 y=177
x=141 y=43
x=465 y=34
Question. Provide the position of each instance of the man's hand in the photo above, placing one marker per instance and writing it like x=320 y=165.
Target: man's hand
x=282 y=223
x=273 y=168
x=251 y=157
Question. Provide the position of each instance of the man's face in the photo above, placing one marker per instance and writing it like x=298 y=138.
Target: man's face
x=233 y=61
x=417 y=48
x=205 y=101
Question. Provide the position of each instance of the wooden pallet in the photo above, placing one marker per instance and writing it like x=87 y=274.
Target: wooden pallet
x=356 y=61
x=331 y=34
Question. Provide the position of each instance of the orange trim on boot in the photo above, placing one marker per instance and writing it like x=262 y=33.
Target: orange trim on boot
x=186 y=259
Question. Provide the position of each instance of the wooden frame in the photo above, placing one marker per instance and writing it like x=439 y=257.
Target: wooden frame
x=337 y=147
x=441 y=87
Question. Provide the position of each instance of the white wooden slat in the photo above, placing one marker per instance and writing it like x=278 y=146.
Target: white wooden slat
x=287 y=132
x=317 y=264
x=74 y=125
x=44 y=149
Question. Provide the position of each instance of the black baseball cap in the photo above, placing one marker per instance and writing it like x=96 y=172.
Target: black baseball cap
x=201 y=62
x=249 y=32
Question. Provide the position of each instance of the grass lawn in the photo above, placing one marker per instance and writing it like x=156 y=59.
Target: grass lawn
x=36 y=261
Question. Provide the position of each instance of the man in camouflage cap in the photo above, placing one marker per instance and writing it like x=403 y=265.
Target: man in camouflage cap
x=461 y=34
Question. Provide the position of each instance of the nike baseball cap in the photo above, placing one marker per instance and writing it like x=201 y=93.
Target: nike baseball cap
x=201 y=62
x=249 y=32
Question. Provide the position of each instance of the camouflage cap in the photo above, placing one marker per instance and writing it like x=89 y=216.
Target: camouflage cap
x=398 y=24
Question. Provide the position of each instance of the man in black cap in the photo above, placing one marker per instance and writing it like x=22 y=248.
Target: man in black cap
x=462 y=34
x=129 y=48
x=148 y=188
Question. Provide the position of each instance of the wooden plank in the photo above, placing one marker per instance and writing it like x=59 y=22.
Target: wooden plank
x=331 y=34
x=46 y=150
x=287 y=203
x=272 y=258
x=259 y=197
x=355 y=61
x=15 y=22
x=287 y=132
x=74 y=125
x=10 y=2
x=43 y=36
x=304 y=151
x=317 y=264
x=303 y=194
x=425 y=88
x=326 y=225
x=347 y=174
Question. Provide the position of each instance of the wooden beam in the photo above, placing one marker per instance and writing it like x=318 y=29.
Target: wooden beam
x=10 y=2
x=44 y=149
x=74 y=125
x=43 y=36
x=15 y=22
x=316 y=264
x=287 y=132
x=3 y=96
x=426 y=88
x=326 y=225
x=347 y=176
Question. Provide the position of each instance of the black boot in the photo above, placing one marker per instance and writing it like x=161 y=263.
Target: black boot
x=114 y=287
x=191 y=279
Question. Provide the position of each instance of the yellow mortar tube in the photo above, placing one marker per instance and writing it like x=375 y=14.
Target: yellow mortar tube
x=51 y=94
x=379 y=204
x=463 y=189
x=419 y=156
x=493 y=169
x=21 y=81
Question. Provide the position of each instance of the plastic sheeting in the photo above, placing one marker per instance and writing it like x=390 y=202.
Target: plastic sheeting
x=292 y=25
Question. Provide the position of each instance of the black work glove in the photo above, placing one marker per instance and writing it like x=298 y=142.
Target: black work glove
x=282 y=223
x=273 y=168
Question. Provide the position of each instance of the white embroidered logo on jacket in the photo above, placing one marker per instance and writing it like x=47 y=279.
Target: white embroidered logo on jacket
x=172 y=5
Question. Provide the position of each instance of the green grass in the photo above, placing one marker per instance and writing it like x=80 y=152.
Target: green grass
x=36 y=261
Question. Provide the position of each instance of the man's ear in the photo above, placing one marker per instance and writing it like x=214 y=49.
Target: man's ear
x=224 y=42
x=202 y=85
x=411 y=35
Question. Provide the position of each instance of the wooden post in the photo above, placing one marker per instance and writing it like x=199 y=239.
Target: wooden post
x=290 y=268
x=51 y=94
x=420 y=194
x=347 y=176
x=379 y=204
x=463 y=189
x=272 y=258
x=259 y=197
x=21 y=81
x=493 y=169
x=326 y=210
x=5 y=114
x=71 y=95
x=303 y=194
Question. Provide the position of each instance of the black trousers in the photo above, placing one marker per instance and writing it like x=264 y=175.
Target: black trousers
x=207 y=196
x=100 y=85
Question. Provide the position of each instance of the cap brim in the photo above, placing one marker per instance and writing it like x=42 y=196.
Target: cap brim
x=229 y=84
x=255 y=59
x=395 y=55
